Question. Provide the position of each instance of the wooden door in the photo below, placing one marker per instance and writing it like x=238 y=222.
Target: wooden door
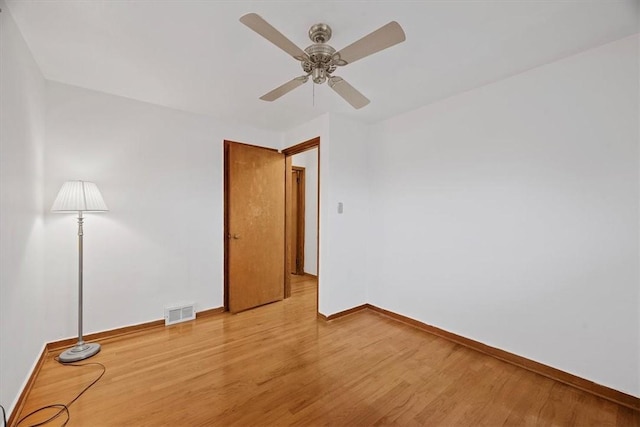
x=254 y=226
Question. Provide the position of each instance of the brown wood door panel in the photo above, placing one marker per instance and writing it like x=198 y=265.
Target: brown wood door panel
x=255 y=226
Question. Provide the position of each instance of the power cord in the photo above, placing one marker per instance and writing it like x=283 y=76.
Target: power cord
x=4 y=414
x=62 y=408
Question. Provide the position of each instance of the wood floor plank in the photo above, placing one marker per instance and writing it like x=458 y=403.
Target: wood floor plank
x=279 y=365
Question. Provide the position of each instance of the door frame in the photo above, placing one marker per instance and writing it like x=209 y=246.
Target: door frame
x=309 y=144
x=298 y=221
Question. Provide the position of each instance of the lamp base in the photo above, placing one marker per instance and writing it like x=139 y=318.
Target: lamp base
x=79 y=352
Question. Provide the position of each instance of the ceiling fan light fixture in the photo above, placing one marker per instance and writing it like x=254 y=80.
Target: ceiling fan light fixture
x=319 y=75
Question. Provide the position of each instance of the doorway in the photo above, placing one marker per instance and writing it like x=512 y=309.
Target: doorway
x=305 y=233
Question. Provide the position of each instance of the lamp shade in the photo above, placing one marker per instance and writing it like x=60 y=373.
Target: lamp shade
x=77 y=196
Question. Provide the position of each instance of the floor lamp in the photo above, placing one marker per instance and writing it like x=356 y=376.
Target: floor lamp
x=79 y=196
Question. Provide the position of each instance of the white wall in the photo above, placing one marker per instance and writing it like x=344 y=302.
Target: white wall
x=509 y=215
x=161 y=174
x=22 y=298
x=309 y=161
x=343 y=172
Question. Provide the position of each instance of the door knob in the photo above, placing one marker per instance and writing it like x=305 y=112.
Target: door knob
x=236 y=236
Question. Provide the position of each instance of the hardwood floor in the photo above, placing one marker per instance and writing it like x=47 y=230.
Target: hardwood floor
x=279 y=365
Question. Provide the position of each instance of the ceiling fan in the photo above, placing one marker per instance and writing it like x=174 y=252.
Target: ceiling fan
x=320 y=60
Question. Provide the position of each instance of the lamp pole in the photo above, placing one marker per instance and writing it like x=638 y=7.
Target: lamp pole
x=80 y=249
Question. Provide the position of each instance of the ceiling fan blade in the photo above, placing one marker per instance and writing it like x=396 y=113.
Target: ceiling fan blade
x=348 y=92
x=285 y=88
x=266 y=30
x=382 y=38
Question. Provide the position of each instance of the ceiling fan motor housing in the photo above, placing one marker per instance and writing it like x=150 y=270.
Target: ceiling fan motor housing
x=320 y=62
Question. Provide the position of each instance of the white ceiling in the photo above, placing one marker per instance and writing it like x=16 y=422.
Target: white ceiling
x=195 y=55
